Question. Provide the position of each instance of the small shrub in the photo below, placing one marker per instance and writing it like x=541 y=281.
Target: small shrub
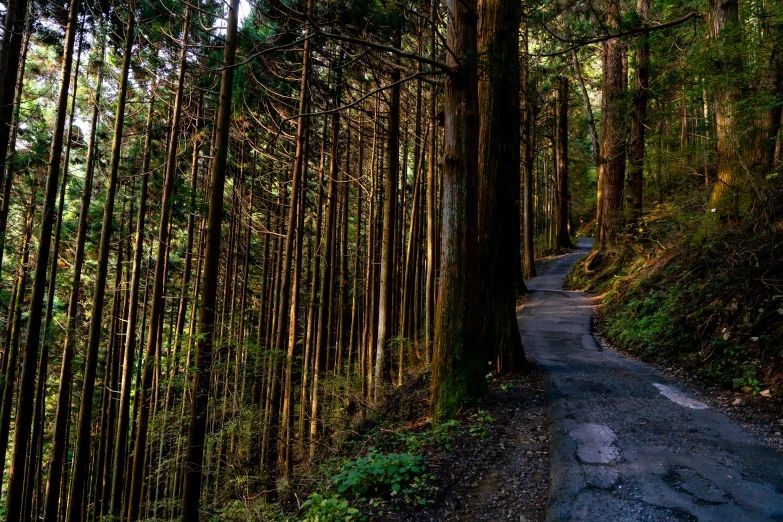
x=320 y=508
x=379 y=474
x=483 y=419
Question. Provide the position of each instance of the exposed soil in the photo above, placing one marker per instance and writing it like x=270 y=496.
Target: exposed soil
x=503 y=475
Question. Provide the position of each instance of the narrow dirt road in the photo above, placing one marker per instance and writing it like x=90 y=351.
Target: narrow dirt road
x=628 y=443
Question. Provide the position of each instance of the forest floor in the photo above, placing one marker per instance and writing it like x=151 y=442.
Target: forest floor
x=499 y=470
x=627 y=441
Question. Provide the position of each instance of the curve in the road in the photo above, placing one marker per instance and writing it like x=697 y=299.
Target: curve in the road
x=628 y=443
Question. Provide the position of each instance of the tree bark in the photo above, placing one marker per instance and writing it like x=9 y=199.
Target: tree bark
x=563 y=241
x=498 y=182
x=612 y=164
x=722 y=18
x=391 y=180
x=202 y=366
x=158 y=302
x=458 y=364
x=24 y=410
x=639 y=119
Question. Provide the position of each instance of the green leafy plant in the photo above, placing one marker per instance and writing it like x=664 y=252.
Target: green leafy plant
x=440 y=436
x=320 y=508
x=379 y=474
x=482 y=420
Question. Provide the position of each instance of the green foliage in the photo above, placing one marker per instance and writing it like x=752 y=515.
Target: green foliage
x=482 y=420
x=379 y=474
x=320 y=508
x=440 y=436
x=645 y=322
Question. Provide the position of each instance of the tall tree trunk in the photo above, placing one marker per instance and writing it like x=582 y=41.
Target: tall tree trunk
x=639 y=118
x=15 y=316
x=391 y=180
x=82 y=446
x=40 y=397
x=722 y=19
x=158 y=302
x=432 y=225
x=62 y=414
x=203 y=359
x=327 y=267
x=612 y=165
x=24 y=410
x=562 y=238
x=458 y=364
x=528 y=132
x=295 y=223
x=126 y=386
x=15 y=31
x=498 y=182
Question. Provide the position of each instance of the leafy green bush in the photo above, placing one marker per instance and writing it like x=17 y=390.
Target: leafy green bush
x=379 y=474
x=320 y=508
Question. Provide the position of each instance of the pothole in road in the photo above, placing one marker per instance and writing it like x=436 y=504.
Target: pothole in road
x=701 y=489
x=595 y=444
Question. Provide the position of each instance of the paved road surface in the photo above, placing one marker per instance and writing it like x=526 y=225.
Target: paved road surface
x=629 y=443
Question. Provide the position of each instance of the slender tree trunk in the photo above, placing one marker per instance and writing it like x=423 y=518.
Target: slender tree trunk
x=639 y=119
x=24 y=411
x=201 y=373
x=528 y=133
x=563 y=241
x=432 y=218
x=322 y=333
x=15 y=31
x=12 y=347
x=126 y=386
x=391 y=180
x=158 y=302
x=40 y=397
x=288 y=291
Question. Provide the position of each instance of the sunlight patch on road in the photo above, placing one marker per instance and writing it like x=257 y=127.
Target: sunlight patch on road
x=679 y=397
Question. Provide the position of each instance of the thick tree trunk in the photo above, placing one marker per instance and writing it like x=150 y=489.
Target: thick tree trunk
x=612 y=164
x=498 y=183
x=206 y=322
x=722 y=19
x=459 y=364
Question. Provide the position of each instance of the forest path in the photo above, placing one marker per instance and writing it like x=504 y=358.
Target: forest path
x=628 y=443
